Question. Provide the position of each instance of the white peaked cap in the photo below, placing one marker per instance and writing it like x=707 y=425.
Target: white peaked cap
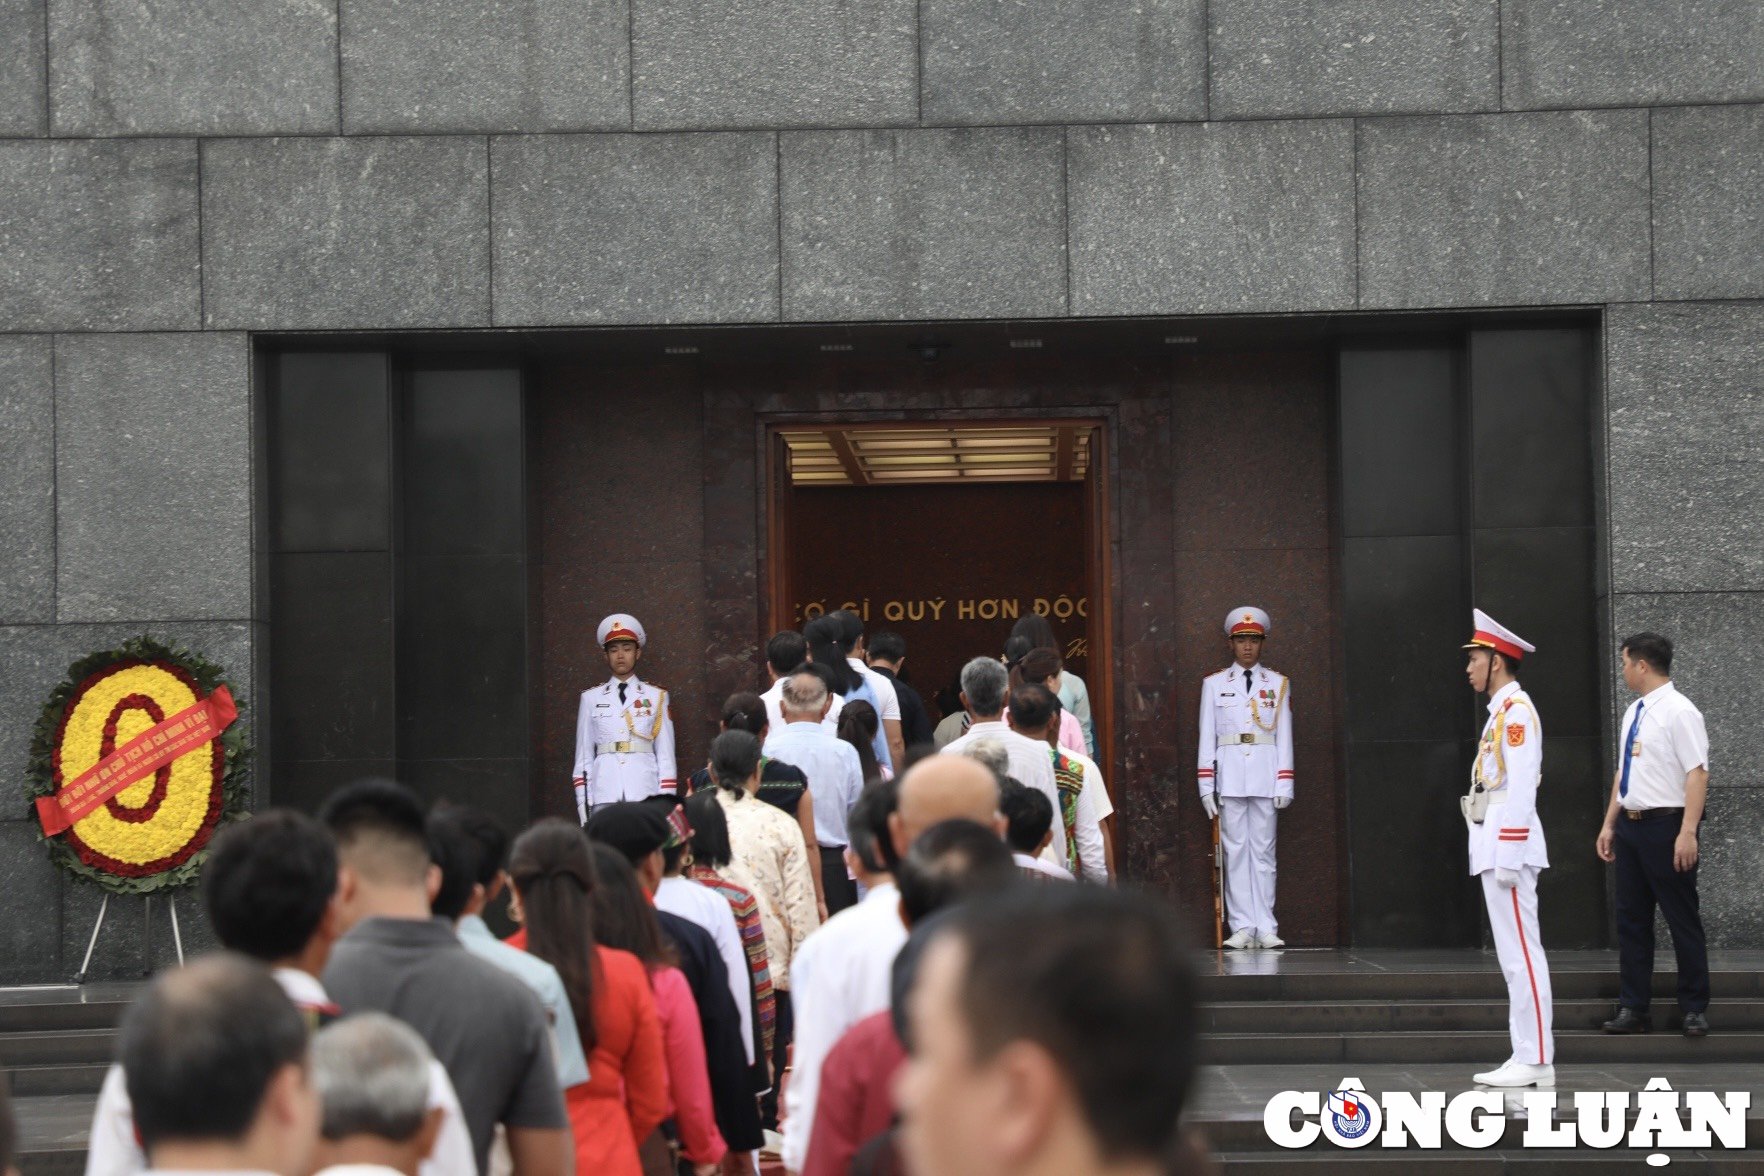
x=622 y=627
x=1491 y=634
x=1247 y=619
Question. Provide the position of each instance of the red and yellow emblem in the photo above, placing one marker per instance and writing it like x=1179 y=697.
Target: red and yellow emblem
x=1515 y=734
x=139 y=765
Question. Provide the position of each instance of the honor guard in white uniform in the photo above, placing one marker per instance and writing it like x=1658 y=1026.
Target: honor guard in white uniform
x=624 y=731
x=1246 y=774
x=1507 y=847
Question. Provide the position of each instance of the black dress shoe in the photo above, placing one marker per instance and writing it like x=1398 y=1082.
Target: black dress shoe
x=1696 y=1025
x=1628 y=1020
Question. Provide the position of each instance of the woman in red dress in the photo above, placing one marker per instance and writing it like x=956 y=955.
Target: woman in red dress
x=626 y=1095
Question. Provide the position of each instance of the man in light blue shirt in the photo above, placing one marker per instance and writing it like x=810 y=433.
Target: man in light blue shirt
x=835 y=777
x=472 y=851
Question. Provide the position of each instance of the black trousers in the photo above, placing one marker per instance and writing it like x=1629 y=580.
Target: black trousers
x=785 y=1033
x=1645 y=878
x=836 y=884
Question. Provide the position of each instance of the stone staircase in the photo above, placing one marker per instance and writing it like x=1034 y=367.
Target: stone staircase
x=1426 y=1021
x=1296 y=1020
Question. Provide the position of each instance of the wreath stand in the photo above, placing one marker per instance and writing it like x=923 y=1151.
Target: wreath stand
x=171 y=900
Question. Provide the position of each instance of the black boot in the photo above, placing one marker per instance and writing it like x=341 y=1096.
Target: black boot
x=1628 y=1020
x=1696 y=1025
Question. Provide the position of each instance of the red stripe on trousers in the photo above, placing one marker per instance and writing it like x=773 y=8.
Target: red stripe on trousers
x=1536 y=1007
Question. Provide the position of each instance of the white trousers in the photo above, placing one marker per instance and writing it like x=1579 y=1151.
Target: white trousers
x=1246 y=835
x=1512 y=914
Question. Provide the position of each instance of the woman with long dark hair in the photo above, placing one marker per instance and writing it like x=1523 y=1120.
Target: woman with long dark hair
x=1073 y=694
x=624 y=919
x=710 y=854
x=626 y=1096
x=858 y=724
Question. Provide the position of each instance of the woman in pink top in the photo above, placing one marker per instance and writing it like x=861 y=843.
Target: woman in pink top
x=624 y=918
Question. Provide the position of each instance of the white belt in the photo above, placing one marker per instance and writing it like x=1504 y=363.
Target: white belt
x=1246 y=738
x=623 y=747
x=1497 y=796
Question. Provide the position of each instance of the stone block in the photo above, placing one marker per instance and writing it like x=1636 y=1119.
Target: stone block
x=98 y=235
x=1685 y=429
x=1730 y=873
x=635 y=229
x=704 y=65
x=27 y=479
x=193 y=67
x=1630 y=52
x=1513 y=209
x=24 y=57
x=924 y=224
x=331 y=233
x=1044 y=61
x=1714 y=636
x=1709 y=202
x=30 y=906
x=485 y=65
x=1274 y=58
x=153 y=467
x=1220 y=217
x=37 y=657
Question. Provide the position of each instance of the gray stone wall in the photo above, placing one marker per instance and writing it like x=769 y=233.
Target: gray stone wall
x=175 y=174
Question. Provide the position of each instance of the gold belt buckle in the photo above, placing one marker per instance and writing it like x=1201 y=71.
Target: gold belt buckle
x=1633 y=814
x=1246 y=737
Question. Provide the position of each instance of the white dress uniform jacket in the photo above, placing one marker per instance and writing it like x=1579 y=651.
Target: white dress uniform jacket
x=1509 y=762
x=1246 y=734
x=625 y=751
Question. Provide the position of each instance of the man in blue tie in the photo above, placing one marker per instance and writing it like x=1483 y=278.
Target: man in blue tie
x=1650 y=831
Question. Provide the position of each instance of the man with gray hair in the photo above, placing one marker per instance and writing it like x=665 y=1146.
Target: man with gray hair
x=372 y=1075
x=835 y=777
x=986 y=688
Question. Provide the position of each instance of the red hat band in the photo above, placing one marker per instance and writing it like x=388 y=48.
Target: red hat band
x=1242 y=627
x=1498 y=644
x=620 y=634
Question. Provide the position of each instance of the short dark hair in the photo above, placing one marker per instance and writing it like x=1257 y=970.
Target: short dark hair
x=460 y=857
x=1100 y=979
x=267 y=883
x=483 y=828
x=867 y=826
x=949 y=862
x=786 y=650
x=1028 y=814
x=1032 y=707
x=734 y=756
x=887 y=646
x=1653 y=649
x=200 y=1047
x=710 y=830
x=381 y=816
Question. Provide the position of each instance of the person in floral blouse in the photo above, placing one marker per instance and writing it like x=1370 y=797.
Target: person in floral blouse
x=710 y=853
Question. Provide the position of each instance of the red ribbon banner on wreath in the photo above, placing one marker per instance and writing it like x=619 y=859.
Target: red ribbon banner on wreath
x=134 y=761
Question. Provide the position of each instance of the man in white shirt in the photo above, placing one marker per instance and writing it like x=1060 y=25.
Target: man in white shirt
x=1031 y=713
x=844 y=971
x=371 y=1071
x=985 y=691
x=270 y=891
x=1650 y=832
x=786 y=653
x=216 y=1058
x=835 y=776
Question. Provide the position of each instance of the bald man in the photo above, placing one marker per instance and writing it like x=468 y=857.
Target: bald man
x=944 y=788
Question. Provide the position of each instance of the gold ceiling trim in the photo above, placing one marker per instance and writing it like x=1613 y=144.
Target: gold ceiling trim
x=940 y=454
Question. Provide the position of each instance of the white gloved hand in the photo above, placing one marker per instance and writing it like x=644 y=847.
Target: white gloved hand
x=1506 y=879
x=1281 y=802
x=1210 y=802
x=581 y=802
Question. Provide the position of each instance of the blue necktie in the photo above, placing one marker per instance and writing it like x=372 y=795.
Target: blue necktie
x=1629 y=753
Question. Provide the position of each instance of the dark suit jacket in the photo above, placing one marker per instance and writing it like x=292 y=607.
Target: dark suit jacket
x=915 y=720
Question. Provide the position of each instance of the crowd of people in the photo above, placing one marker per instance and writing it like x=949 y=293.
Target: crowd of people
x=835 y=939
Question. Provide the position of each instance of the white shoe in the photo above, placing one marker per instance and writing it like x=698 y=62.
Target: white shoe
x=1270 y=940
x=1518 y=1074
x=1241 y=940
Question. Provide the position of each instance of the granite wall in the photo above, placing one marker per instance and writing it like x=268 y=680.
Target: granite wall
x=175 y=176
